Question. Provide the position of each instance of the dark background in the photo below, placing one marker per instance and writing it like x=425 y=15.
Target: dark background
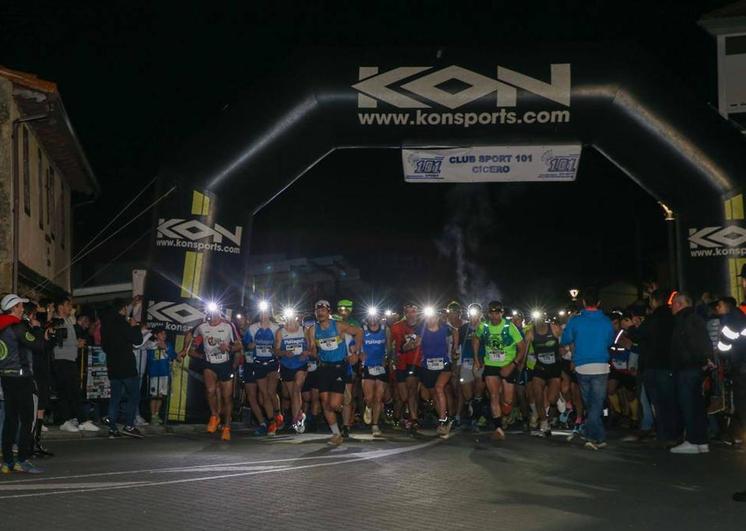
x=138 y=80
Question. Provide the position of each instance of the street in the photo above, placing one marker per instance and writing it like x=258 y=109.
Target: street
x=193 y=481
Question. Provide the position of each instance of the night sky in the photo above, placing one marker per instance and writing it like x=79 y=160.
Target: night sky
x=138 y=81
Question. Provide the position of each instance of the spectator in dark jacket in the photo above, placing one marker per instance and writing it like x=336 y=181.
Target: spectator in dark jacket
x=691 y=351
x=118 y=335
x=18 y=339
x=654 y=336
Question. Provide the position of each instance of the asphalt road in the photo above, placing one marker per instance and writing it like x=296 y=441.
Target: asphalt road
x=193 y=481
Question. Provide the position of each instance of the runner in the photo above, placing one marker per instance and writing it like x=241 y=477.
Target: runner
x=266 y=367
x=213 y=342
x=292 y=348
x=404 y=334
x=435 y=364
x=376 y=340
x=504 y=352
x=622 y=386
x=454 y=322
x=344 y=314
x=547 y=373
x=327 y=343
x=523 y=391
x=246 y=371
x=470 y=374
x=310 y=393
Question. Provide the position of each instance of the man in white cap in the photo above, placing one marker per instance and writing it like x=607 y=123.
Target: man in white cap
x=17 y=341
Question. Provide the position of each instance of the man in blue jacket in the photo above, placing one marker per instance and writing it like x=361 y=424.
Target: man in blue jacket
x=591 y=334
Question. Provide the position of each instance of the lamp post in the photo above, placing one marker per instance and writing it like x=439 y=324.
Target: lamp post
x=671 y=232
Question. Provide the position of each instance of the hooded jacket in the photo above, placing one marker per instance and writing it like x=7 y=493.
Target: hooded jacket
x=17 y=342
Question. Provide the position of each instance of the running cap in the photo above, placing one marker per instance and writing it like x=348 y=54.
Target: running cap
x=345 y=303
x=322 y=303
x=411 y=304
x=10 y=300
x=495 y=306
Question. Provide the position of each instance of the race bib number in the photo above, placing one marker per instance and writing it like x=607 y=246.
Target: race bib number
x=378 y=370
x=467 y=363
x=312 y=366
x=435 y=364
x=619 y=365
x=496 y=355
x=297 y=351
x=249 y=357
x=264 y=351
x=547 y=359
x=328 y=344
x=217 y=357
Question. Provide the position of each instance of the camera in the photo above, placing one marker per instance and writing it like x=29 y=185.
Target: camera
x=57 y=330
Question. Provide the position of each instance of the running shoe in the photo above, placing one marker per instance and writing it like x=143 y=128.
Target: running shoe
x=300 y=424
x=279 y=420
x=27 y=467
x=441 y=429
x=261 y=430
x=533 y=422
x=6 y=468
x=376 y=431
x=336 y=440
x=212 y=425
x=114 y=434
x=345 y=432
x=368 y=415
x=595 y=445
x=226 y=434
x=272 y=429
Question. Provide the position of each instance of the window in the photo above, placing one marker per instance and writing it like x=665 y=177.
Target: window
x=50 y=200
x=26 y=175
x=40 y=183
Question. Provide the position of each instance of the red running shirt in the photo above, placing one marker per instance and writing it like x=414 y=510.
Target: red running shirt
x=401 y=333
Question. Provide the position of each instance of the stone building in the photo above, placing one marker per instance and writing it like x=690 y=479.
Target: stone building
x=43 y=175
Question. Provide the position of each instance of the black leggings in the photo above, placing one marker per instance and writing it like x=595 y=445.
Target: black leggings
x=19 y=411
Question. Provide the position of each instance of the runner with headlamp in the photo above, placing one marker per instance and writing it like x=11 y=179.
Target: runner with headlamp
x=504 y=350
x=326 y=340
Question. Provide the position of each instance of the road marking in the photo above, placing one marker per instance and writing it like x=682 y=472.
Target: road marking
x=53 y=486
x=195 y=468
x=345 y=458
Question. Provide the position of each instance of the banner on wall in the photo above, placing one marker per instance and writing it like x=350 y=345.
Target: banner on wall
x=492 y=164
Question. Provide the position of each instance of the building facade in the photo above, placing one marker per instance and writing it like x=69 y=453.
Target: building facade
x=43 y=174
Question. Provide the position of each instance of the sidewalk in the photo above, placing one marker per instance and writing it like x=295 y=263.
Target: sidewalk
x=55 y=434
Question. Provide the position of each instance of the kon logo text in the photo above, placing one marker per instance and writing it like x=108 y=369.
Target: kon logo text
x=392 y=86
x=192 y=229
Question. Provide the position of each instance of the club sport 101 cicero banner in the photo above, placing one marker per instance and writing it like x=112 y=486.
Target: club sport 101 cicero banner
x=492 y=163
